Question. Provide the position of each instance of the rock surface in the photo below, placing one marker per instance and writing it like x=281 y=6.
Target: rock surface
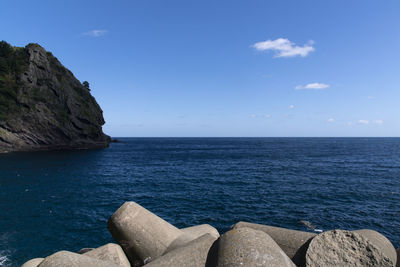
x=344 y=248
x=193 y=254
x=66 y=258
x=43 y=106
x=247 y=247
x=143 y=235
x=110 y=252
x=294 y=243
x=33 y=262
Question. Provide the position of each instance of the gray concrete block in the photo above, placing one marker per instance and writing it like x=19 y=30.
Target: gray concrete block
x=110 y=252
x=247 y=247
x=142 y=235
x=193 y=254
x=344 y=248
x=381 y=242
x=199 y=230
x=191 y=233
x=33 y=262
x=294 y=243
x=70 y=259
x=180 y=241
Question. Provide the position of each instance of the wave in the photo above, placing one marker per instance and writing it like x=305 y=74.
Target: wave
x=4 y=260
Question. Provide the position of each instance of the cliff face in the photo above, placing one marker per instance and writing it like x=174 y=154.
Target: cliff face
x=43 y=106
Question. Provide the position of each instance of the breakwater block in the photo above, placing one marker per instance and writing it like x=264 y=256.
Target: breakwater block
x=247 y=247
x=193 y=254
x=33 y=262
x=110 y=252
x=66 y=258
x=381 y=242
x=143 y=235
x=199 y=230
x=294 y=243
x=346 y=248
x=191 y=233
x=147 y=240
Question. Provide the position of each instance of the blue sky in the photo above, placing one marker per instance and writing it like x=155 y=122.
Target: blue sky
x=226 y=68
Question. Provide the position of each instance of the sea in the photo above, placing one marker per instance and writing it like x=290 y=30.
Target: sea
x=61 y=200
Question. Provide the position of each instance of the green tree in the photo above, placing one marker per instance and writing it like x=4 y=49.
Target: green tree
x=86 y=85
x=3 y=65
x=5 y=49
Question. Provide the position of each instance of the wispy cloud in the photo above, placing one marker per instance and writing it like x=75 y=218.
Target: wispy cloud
x=366 y=122
x=291 y=107
x=260 y=116
x=363 y=121
x=95 y=33
x=330 y=120
x=284 y=48
x=312 y=86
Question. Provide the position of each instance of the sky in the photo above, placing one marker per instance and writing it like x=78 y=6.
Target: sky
x=226 y=68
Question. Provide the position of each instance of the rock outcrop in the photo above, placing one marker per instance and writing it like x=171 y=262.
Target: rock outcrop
x=43 y=106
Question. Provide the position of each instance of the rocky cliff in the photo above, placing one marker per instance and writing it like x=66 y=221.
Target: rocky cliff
x=43 y=106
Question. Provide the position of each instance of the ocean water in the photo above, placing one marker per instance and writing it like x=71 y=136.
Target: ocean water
x=52 y=201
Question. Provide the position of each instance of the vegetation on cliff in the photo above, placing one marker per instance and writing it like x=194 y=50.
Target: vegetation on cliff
x=13 y=62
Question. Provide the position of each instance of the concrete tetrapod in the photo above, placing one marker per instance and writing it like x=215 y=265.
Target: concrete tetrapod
x=193 y=254
x=345 y=248
x=142 y=235
x=110 y=252
x=398 y=257
x=246 y=247
x=190 y=234
x=293 y=243
x=199 y=230
x=33 y=262
x=381 y=242
x=66 y=258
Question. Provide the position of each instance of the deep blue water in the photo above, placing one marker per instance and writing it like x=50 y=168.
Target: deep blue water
x=52 y=201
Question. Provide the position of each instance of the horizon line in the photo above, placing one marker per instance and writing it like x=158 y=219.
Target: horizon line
x=255 y=136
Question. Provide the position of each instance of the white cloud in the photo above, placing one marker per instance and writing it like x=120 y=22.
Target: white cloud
x=95 y=33
x=331 y=120
x=257 y=116
x=284 y=48
x=363 y=121
x=312 y=86
x=291 y=107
